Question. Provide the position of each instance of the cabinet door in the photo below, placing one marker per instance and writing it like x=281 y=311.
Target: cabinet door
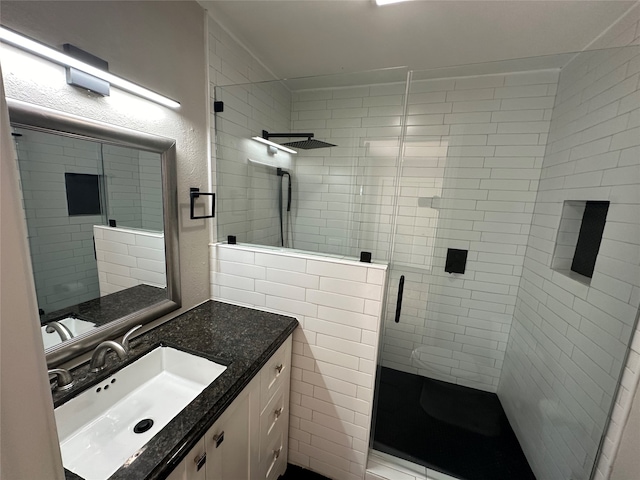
x=228 y=443
x=193 y=465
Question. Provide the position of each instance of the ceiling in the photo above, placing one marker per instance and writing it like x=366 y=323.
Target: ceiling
x=298 y=38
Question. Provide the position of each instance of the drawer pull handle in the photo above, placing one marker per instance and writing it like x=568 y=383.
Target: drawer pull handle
x=276 y=454
x=278 y=412
x=279 y=368
x=200 y=461
x=219 y=438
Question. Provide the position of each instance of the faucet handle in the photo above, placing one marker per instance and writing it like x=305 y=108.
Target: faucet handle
x=125 y=339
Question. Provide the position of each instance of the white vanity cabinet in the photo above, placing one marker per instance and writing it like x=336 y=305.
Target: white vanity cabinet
x=250 y=439
x=227 y=442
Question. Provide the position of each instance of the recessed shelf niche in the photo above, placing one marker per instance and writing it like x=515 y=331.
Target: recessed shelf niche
x=579 y=237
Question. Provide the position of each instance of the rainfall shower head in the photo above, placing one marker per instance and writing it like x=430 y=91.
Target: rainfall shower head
x=308 y=144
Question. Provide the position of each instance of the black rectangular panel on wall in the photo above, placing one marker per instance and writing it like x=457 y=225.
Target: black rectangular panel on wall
x=589 y=238
x=83 y=194
x=456 y=261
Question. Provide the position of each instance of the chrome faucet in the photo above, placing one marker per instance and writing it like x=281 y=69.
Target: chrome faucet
x=63 y=331
x=100 y=353
x=63 y=378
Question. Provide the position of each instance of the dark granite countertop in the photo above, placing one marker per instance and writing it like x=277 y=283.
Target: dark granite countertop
x=103 y=310
x=240 y=337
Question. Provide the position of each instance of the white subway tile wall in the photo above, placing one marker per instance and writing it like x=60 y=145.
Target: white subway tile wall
x=64 y=267
x=151 y=191
x=247 y=202
x=344 y=199
x=128 y=257
x=134 y=187
x=338 y=304
x=248 y=190
x=568 y=340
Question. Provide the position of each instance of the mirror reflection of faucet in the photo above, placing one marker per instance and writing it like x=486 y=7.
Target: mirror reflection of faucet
x=122 y=350
x=63 y=331
x=64 y=380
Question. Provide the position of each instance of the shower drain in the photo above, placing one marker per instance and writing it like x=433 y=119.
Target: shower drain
x=143 y=425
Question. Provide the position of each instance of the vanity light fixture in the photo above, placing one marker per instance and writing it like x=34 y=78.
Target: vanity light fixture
x=273 y=144
x=24 y=43
x=380 y=3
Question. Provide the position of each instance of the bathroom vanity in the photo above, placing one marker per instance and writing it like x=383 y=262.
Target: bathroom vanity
x=254 y=427
x=238 y=426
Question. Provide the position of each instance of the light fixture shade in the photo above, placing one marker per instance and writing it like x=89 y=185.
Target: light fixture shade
x=389 y=2
x=274 y=144
x=24 y=43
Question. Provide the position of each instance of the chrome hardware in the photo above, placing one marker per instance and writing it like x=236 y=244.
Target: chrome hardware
x=63 y=331
x=279 y=368
x=200 y=461
x=219 y=438
x=278 y=412
x=63 y=378
x=276 y=454
x=125 y=339
x=100 y=353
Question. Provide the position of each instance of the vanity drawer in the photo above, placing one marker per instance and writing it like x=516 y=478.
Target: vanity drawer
x=274 y=460
x=274 y=373
x=276 y=414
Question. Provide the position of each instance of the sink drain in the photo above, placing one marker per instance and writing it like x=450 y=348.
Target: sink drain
x=143 y=425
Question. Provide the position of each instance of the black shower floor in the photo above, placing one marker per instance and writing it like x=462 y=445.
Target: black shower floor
x=456 y=430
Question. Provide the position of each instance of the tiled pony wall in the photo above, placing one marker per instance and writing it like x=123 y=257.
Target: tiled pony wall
x=338 y=304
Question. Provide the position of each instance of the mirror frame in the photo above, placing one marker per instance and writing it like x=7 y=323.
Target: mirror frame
x=42 y=119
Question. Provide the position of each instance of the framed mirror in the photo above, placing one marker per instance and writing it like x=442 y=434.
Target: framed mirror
x=100 y=203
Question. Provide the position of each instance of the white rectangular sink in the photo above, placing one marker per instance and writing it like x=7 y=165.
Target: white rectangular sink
x=96 y=428
x=75 y=326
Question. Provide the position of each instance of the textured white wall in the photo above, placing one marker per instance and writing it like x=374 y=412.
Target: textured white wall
x=26 y=416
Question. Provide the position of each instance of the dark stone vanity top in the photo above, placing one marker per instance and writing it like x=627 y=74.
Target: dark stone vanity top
x=240 y=337
x=116 y=305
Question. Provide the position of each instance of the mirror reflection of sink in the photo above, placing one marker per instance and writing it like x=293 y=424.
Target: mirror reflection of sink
x=75 y=326
x=102 y=427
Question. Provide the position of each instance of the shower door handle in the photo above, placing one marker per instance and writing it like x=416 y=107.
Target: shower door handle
x=399 y=300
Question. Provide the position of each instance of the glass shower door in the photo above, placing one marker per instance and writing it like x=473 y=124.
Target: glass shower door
x=444 y=334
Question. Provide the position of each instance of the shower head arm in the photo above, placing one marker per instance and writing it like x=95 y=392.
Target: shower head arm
x=266 y=135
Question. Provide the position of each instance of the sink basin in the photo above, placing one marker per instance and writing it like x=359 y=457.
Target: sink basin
x=75 y=326
x=103 y=427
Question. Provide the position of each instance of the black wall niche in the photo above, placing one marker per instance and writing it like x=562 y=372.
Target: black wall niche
x=590 y=237
x=83 y=194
